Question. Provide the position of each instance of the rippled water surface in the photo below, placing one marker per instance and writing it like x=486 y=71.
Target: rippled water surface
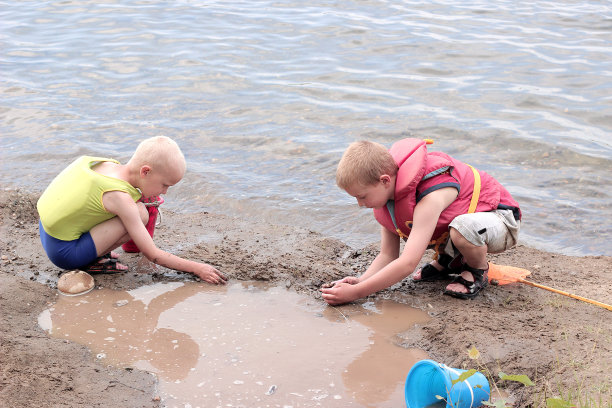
x=265 y=96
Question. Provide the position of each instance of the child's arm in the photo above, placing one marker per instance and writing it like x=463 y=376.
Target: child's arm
x=127 y=210
x=425 y=218
x=389 y=251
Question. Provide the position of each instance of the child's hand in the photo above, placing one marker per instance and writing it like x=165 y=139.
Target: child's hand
x=343 y=291
x=349 y=279
x=210 y=274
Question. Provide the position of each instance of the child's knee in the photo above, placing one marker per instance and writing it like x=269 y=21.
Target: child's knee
x=457 y=238
x=454 y=234
x=469 y=243
x=144 y=214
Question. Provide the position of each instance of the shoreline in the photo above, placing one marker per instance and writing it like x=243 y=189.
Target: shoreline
x=560 y=343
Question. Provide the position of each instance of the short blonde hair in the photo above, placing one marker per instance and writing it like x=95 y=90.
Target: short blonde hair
x=364 y=162
x=159 y=152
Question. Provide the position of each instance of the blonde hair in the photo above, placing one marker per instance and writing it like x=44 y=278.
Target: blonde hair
x=364 y=162
x=159 y=152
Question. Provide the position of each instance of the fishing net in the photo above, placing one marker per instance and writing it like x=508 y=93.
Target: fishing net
x=505 y=274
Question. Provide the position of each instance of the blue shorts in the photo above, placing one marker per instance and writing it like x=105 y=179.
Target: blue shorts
x=68 y=254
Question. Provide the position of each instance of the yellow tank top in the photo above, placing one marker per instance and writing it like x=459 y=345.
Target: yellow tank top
x=72 y=204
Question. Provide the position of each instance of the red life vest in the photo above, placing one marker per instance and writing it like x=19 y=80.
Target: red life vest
x=421 y=172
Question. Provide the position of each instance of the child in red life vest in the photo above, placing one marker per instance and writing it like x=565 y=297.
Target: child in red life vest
x=430 y=200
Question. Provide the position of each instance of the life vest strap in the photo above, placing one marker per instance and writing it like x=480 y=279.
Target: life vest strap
x=437 y=243
x=476 y=192
x=401 y=234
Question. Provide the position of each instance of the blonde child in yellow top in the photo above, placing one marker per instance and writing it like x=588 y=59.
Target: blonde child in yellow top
x=91 y=208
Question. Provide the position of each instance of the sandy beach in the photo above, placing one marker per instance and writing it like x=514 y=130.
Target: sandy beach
x=562 y=344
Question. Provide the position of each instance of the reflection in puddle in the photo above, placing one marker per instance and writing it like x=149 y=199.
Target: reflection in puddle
x=245 y=344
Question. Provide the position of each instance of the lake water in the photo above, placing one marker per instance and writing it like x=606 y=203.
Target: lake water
x=264 y=96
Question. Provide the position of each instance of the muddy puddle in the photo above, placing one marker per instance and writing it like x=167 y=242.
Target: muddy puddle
x=245 y=344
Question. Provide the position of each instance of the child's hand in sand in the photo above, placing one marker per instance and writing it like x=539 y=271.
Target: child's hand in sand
x=342 y=291
x=210 y=274
x=351 y=280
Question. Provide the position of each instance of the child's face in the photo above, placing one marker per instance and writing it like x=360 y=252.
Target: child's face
x=373 y=195
x=156 y=183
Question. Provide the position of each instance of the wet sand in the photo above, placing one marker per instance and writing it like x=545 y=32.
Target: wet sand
x=560 y=343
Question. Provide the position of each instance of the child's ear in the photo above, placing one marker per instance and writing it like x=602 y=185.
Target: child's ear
x=385 y=179
x=144 y=170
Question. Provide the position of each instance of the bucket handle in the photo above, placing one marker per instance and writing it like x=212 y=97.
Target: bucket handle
x=465 y=381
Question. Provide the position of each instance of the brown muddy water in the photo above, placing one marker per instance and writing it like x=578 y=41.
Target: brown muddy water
x=245 y=344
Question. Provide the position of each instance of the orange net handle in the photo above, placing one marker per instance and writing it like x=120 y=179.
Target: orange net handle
x=508 y=274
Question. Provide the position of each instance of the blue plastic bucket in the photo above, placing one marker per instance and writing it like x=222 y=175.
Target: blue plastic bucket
x=428 y=378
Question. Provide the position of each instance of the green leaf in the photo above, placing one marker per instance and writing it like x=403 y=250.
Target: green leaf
x=464 y=376
x=557 y=403
x=500 y=403
x=473 y=353
x=522 y=378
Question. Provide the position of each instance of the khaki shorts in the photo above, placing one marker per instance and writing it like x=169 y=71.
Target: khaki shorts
x=497 y=229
